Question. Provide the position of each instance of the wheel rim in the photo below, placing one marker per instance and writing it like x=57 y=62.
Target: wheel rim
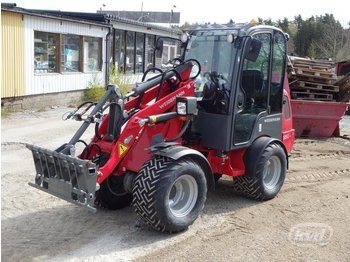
x=272 y=172
x=183 y=195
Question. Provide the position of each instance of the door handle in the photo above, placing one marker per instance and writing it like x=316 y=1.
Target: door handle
x=240 y=101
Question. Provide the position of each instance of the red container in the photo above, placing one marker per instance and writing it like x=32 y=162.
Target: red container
x=316 y=118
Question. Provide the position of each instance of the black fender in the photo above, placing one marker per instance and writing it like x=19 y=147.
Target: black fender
x=176 y=152
x=251 y=156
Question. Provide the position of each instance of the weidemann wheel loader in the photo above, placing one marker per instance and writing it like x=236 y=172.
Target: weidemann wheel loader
x=223 y=107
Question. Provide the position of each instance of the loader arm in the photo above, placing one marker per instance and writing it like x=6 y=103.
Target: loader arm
x=76 y=179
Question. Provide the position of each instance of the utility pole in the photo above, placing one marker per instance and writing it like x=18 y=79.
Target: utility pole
x=171 y=15
x=141 y=11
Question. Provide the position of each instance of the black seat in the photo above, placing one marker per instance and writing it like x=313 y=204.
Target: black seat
x=252 y=82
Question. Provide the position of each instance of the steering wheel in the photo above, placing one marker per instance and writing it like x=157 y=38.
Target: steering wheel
x=175 y=61
x=215 y=78
x=196 y=68
x=151 y=69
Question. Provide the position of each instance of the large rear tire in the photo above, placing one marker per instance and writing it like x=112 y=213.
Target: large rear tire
x=269 y=177
x=112 y=194
x=169 y=195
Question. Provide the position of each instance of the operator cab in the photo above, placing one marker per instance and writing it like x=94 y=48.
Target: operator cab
x=240 y=87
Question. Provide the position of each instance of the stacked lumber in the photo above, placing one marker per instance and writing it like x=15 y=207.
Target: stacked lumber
x=312 y=79
x=344 y=88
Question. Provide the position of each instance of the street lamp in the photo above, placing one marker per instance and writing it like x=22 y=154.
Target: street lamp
x=172 y=14
x=103 y=5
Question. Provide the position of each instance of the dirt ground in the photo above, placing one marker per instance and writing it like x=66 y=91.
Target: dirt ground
x=308 y=221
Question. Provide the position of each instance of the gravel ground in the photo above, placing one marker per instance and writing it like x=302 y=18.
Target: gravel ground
x=308 y=221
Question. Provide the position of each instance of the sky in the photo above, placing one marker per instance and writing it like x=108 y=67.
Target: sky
x=203 y=11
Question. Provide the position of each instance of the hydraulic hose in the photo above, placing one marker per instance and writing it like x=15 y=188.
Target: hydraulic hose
x=182 y=131
x=176 y=74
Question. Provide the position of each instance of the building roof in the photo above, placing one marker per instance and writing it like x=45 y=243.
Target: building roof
x=88 y=18
x=146 y=16
x=12 y=7
x=108 y=18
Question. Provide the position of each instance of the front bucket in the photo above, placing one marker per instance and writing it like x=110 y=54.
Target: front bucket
x=66 y=177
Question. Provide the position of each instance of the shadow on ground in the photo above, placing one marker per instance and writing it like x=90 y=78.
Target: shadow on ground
x=65 y=229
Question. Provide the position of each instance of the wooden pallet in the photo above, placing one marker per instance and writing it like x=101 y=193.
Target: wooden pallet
x=323 y=63
x=315 y=79
x=311 y=96
x=316 y=86
x=313 y=67
x=317 y=73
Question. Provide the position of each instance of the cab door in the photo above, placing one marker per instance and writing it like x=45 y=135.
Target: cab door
x=252 y=98
x=259 y=99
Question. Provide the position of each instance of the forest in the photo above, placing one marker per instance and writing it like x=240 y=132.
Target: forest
x=317 y=37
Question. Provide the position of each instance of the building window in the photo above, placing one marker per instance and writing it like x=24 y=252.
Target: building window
x=134 y=51
x=171 y=50
x=70 y=53
x=45 y=52
x=130 y=51
x=92 y=54
x=56 y=53
x=149 y=51
x=140 y=47
x=119 y=50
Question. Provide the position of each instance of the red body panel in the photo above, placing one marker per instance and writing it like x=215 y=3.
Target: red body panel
x=129 y=152
x=231 y=164
x=288 y=132
x=131 y=147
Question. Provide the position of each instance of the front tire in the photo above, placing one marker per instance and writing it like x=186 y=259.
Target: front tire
x=169 y=195
x=269 y=177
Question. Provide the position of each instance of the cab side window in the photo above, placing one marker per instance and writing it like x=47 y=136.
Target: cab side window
x=277 y=75
x=255 y=76
x=254 y=90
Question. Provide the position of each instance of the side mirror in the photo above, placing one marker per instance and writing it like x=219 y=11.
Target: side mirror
x=159 y=48
x=252 y=50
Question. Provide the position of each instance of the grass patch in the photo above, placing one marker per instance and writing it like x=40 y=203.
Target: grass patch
x=117 y=78
x=95 y=89
x=93 y=93
x=6 y=112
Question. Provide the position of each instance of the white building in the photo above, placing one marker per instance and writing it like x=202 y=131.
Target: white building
x=52 y=55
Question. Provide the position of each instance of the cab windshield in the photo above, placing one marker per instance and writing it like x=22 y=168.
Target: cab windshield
x=215 y=55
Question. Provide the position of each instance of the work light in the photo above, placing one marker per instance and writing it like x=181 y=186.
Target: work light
x=186 y=106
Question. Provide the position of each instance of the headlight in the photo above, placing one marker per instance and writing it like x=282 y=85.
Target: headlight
x=186 y=106
x=181 y=108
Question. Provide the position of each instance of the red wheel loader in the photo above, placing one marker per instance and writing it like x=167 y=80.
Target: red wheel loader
x=221 y=108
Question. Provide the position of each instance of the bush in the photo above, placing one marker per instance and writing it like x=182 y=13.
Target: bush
x=117 y=78
x=95 y=89
x=6 y=112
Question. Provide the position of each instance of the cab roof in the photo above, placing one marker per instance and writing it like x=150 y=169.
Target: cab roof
x=241 y=28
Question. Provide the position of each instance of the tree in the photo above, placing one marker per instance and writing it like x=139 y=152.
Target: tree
x=344 y=52
x=311 y=51
x=318 y=36
x=306 y=34
x=298 y=21
x=332 y=37
x=284 y=25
